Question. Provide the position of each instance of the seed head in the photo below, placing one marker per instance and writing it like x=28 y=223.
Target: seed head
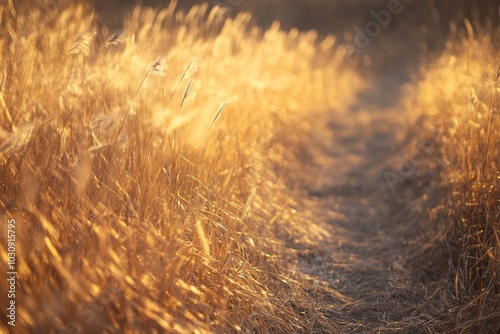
x=117 y=38
x=159 y=66
x=82 y=44
x=191 y=69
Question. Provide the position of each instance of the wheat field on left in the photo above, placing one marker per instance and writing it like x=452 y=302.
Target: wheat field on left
x=153 y=174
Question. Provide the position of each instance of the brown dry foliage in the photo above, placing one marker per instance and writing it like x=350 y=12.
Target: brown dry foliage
x=134 y=210
x=458 y=100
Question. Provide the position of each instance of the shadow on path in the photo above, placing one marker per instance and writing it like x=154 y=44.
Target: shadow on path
x=374 y=230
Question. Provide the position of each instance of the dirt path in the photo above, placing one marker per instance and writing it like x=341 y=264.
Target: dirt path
x=374 y=229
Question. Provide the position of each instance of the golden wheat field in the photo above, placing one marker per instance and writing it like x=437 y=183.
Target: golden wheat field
x=198 y=169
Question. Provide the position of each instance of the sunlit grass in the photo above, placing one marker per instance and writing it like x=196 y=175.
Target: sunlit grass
x=153 y=177
x=458 y=97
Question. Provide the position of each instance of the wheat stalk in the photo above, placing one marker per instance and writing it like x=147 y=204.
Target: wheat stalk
x=188 y=73
x=187 y=92
x=80 y=45
x=248 y=203
x=157 y=67
x=218 y=114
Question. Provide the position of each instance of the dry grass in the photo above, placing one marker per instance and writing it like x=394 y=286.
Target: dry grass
x=142 y=201
x=156 y=175
x=458 y=97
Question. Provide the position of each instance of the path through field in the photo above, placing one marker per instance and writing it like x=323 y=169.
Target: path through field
x=374 y=229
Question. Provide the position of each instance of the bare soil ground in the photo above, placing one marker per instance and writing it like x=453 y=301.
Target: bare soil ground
x=369 y=273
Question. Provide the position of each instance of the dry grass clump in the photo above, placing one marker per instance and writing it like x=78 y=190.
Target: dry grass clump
x=459 y=99
x=153 y=174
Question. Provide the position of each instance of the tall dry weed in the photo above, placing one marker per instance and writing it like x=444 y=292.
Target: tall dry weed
x=142 y=204
x=459 y=100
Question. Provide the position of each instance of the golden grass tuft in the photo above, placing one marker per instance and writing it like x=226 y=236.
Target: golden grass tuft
x=142 y=204
x=458 y=98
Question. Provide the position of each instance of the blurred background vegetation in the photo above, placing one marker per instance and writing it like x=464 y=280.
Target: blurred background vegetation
x=422 y=25
x=331 y=16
